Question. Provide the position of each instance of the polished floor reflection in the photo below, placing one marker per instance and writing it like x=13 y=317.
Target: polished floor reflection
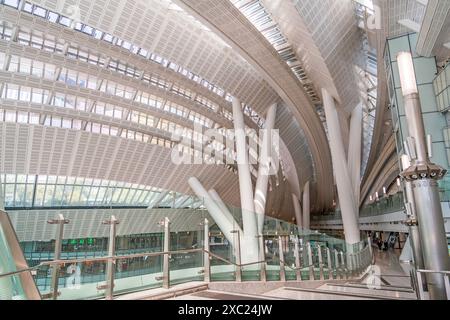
x=388 y=280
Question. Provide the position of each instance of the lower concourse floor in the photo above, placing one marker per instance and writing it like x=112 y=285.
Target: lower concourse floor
x=388 y=279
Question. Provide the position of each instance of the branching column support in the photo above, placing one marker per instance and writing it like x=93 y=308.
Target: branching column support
x=245 y=185
x=344 y=185
x=265 y=157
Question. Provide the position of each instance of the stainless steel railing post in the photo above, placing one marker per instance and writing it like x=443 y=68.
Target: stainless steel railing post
x=344 y=265
x=420 y=286
x=263 y=275
x=166 y=267
x=111 y=252
x=237 y=252
x=319 y=253
x=298 y=271
x=60 y=221
x=337 y=265
x=310 y=261
x=206 y=261
x=281 y=255
x=329 y=266
x=447 y=286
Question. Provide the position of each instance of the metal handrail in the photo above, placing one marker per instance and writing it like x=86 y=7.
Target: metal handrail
x=137 y=255
x=433 y=271
x=153 y=254
x=98 y=259
x=230 y=262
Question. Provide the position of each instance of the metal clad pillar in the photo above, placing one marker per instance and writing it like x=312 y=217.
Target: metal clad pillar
x=424 y=175
x=411 y=222
x=60 y=221
x=166 y=271
x=111 y=252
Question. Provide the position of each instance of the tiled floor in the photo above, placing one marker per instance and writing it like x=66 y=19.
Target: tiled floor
x=388 y=280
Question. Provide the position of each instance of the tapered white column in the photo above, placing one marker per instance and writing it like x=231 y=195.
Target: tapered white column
x=340 y=168
x=245 y=183
x=225 y=211
x=354 y=151
x=264 y=167
x=297 y=211
x=306 y=207
x=214 y=210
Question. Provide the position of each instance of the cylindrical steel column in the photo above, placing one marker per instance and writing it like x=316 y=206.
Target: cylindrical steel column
x=206 y=261
x=432 y=229
x=110 y=268
x=166 y=270
x=60 y=221
x=411 y=222
x=424 y=175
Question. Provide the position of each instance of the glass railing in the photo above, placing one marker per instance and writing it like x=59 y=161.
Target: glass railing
x=385 y=205
x=14 y=285
x=208 y=252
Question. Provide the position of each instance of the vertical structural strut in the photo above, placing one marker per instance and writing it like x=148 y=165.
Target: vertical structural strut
x=346 y=199
x=264 y=167
x=424 y=175
x=250 y=241
x=354 y=151
x=412 y=223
